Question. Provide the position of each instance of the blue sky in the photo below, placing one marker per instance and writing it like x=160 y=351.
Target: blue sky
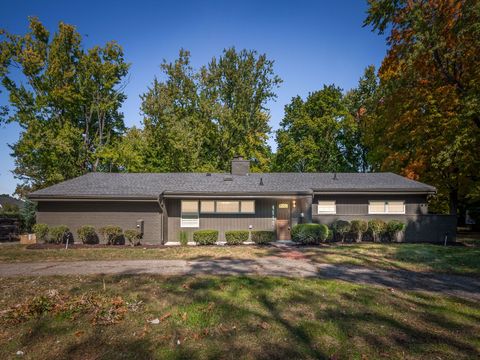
x=312 y=42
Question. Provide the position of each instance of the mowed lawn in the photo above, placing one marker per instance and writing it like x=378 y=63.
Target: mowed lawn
x=417 y=257
x=208 y=317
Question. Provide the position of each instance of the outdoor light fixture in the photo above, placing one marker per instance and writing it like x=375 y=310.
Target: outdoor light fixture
x=294 y=203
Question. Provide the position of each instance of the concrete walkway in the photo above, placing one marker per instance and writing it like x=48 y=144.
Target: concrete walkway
x=461 y=286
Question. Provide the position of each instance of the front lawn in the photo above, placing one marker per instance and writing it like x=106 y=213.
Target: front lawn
x=416 y=257
x=86 y=317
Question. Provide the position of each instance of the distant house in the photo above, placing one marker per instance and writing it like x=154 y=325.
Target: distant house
x=165 y=204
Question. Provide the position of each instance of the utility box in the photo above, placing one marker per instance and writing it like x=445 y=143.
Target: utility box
x=140 y=225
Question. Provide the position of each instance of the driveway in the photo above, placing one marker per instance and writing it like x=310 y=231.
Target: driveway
x=455 y=285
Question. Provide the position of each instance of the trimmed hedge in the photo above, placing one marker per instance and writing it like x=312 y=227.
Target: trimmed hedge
x=236 y=237
x=393 y=228
x=309 y=233
x=60 y=234
x=341 y=228
x=41 y=232
x=112 y=235
x=87 y=235
x=263 y=237
x=377 y=228
x=205 y=237
x=358 y=228
x=133 y=236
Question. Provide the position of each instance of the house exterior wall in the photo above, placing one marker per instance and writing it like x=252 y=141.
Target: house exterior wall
x=100 y=213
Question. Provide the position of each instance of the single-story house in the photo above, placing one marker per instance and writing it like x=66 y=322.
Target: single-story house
x=165 y=204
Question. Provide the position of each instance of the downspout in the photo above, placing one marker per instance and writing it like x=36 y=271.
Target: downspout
x=161 y=204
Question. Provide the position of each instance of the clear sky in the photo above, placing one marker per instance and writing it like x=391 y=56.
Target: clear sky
x=312 y=42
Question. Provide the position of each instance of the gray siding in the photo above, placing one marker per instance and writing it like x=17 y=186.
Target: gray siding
x=261 y=220
x=98 y=214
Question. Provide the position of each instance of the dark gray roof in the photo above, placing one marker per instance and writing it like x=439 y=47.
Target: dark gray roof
x=150 y=185
x=7 y=199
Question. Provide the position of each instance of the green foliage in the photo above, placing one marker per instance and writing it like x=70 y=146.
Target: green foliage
x=236 y=237
x=205 y=237
x=316 y=134
x=133 y=236
x=66 y=99
x=307 y=234
x=341 y=228
x=393 y=228
x=376 y=227
x=263 y=237
x=112 y=235
x=41 y=232
x=87 y=235
x=28 y=215
x=183 y=235
x=358 y=228
x=60 y=234
x=197 y=120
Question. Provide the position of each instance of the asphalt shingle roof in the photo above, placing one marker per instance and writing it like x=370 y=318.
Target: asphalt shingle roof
x=150 y=185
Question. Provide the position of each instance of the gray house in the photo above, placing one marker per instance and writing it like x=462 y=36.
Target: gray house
x=164 y=204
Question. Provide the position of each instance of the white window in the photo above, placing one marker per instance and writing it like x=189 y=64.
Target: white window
x=386 y=207
x=228 y=207
x=207 y=206
x=189 y=214
x=327 y=207
x=247 y=207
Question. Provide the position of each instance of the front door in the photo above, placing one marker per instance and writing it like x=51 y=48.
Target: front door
x=283 y=220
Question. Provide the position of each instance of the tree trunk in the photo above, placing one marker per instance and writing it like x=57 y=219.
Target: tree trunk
x=453 y=201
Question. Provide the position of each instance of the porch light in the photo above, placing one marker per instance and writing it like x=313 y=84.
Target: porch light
x=294 y=203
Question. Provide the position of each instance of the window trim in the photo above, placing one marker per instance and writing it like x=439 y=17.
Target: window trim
x=386 y=208
x=334 y=212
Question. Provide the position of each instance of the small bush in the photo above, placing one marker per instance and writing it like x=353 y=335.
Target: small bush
x=309 y=233
x=236 y=237
x=60 y=234
x=41 y=232
x=377 y=228
x=183 y=235
x=358 y=228
x=393 y=228
x=205 y=237
x=263 y=237
x=341 y=228
x=133 y=236
x=87 y=235
x=112 y=235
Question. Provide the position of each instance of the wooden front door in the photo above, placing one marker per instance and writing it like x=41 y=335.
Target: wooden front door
x=283 y=220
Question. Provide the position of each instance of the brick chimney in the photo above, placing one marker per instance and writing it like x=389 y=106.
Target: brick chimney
x=240 y=166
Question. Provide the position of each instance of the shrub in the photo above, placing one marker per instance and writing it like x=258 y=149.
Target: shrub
x=358 y=228
x=112 y=235
x=133 y=236
x=309 y=233
x=205 y=237
x=183 y=235
x=341 y=228
x=87 y=235
x=236 y=237
x=60 y=234
x=393 y=228
x=376 y=227
x=41 y=232
x=262 y=237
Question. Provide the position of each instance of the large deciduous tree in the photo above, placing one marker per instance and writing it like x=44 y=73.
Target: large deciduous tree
x=428 y=123
x=198 y=119
x=65 y=98
x=317 y=134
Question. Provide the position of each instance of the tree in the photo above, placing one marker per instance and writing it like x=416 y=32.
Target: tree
x=429 y=115
x=315 y=134
x=67 y=102
x=198 y=120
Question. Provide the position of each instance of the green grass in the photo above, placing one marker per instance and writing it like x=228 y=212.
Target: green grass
x=235 y=317
x=416 y=257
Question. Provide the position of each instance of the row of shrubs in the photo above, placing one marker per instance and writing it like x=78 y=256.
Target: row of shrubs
x=354 y=231
x=113 y=235
x=233 y=237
